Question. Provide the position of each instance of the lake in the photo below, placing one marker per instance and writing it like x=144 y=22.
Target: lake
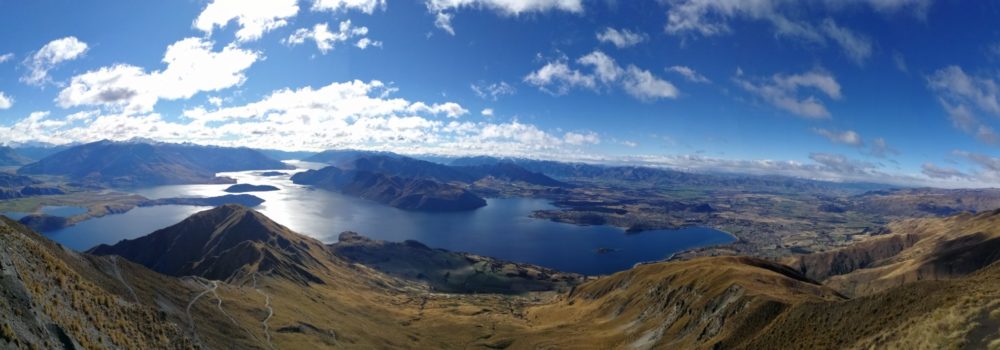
x=503 y=229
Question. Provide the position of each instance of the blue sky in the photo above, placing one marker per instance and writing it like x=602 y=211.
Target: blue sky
x=903 y=91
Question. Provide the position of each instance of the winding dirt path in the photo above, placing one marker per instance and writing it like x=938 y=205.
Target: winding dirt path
x=118 y=274
x=270 y=311
x=214 y=290
x=194 y=330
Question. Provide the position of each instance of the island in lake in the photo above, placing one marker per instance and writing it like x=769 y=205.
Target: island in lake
x=241 y=188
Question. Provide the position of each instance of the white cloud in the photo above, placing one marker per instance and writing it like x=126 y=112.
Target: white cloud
x=783 y=91
x=580 y=139
x=191 y=67
x=559 y=74
x=49 y=56
x=643 y=85
x=629 y=144
x=858 y=48
x=605 y=67
x=5 y=101
x=689 y=74
x=558 y=78
x=6 y=57
x=963 y=96
x=847 y=137
x=352 y=114
x=492 y=91
x=620 y=38
x=326 y=40
x=366 y=6
x=255 y=17
x=364 y=43
x=487 y=112
x=443 y=10
x=443 y=21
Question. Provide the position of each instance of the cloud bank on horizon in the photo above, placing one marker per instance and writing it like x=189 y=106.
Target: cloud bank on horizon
x=833 y=90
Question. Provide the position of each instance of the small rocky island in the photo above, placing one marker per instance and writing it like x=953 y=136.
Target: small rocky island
x=242 y=188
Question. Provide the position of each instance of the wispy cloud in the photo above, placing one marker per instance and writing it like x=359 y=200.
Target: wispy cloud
x=786 y=92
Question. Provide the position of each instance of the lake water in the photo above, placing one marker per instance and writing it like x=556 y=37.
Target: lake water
x=53 y=210
x=502 y=229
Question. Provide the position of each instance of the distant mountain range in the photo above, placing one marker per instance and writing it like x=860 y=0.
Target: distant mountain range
x=662 y=177
x=413 y=184
x=129 y=164
x=404 y=193
x=10 y=157
x=232 y=278
x=17 y=186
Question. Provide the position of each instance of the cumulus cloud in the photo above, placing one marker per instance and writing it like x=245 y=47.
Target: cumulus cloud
x=443 y=10
x=556 y=77
x=487 y=112
x=191 y=67
x=49 y=56
x=5 y=101
x=784 y=92
x=963 y=96
x=620 y=38
x=6 y=57
x=326 y=40
x=366 y=6
x=254 y=17
x=689 y=74
x=492 y=91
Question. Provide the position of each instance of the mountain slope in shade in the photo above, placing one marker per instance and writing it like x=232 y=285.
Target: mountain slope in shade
x=399 y=192
x=224 y=243
x=10 y=157
x=141 y=164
